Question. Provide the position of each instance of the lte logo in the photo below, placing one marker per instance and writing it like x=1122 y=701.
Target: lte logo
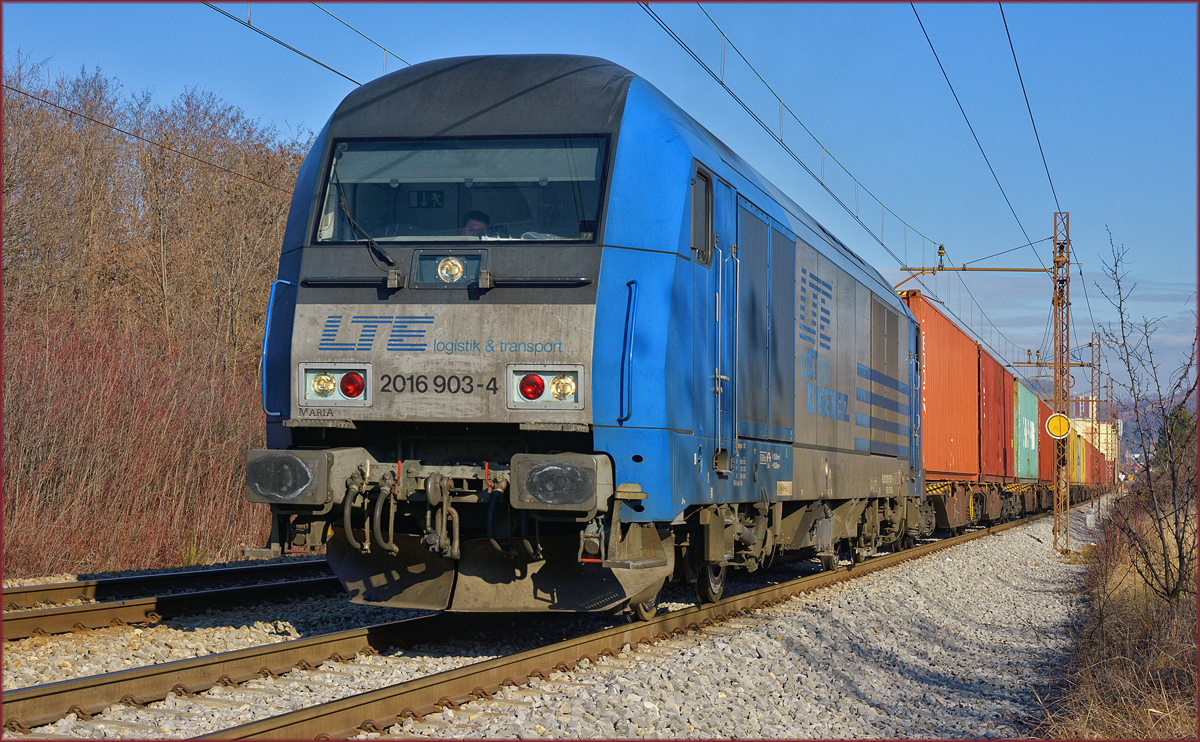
x=404 y=333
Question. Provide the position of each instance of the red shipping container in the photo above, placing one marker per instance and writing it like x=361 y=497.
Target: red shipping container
x=949 y=394
x=995 y=419
x=1010 y=434
x=1045 y=445
x=1095 y=464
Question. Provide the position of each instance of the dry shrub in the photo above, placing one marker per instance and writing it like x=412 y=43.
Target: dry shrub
x=1132 y=671
x=119 y=454
x=135 y=285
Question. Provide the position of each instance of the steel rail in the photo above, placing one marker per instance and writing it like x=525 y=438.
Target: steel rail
x=23 y=624
x=43 y=704
x=26 y=708
x=379 y=709
x=26 y=597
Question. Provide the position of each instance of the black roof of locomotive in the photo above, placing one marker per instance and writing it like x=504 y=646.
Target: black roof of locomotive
x=526 y=94
x=488 y=95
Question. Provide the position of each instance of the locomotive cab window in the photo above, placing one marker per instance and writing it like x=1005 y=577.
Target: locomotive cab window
x=702 y=216
x=465 y=190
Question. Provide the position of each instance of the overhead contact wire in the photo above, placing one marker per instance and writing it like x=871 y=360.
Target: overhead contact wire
x=1005 y=252
x=1028 y=107
x=1086 y=298
x=982 y=313
x=360 y=33
x=662 y=24
x=1041 y=150
x=778 y=140
x=258 y=30
x=802 y=125
x=972 y=128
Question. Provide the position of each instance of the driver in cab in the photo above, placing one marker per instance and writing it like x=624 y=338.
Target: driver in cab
x=475 y=224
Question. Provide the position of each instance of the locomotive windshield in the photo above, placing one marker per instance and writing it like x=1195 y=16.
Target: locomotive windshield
x=545 y=188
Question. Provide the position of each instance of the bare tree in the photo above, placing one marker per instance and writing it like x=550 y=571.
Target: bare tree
x=140 y=241
x=1157 y=516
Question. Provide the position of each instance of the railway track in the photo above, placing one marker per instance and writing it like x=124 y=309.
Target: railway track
x=378 y=709
x=148 y=598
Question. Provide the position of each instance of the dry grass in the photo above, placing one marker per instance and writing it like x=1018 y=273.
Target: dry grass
x=1132 y=673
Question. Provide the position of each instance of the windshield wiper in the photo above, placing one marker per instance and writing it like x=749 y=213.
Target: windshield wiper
x=372 y=245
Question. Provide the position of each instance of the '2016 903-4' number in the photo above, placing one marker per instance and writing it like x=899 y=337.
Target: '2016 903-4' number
x=422 y=384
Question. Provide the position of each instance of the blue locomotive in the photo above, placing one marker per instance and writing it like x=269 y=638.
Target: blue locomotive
x=540 y=342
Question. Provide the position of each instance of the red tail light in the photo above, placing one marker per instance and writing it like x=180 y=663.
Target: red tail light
x=352 y=385
x=531 y=386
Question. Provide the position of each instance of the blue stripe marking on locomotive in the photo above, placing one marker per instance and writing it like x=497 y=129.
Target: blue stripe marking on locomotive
x=403 y=332
x=824 y=288
x=812 y=296
x=871 y=374
x=329 y=333
x=876 y=400
x=889 y=449
x=332 y=322
x=371 y=325
x=875 y=423
x=862 y=444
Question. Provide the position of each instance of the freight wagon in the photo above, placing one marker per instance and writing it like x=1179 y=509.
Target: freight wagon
x=987 y=454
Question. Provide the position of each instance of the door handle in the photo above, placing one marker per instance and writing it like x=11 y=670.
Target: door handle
x=627 y=354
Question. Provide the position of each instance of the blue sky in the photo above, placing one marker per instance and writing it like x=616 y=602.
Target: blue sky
x=1112 y=86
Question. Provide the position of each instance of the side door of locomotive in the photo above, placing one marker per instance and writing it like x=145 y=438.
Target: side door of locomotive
x=714 y=230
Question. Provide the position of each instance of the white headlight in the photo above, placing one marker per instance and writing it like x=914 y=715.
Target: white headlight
x=450 y=269
x=562 y=387
x=323 y=384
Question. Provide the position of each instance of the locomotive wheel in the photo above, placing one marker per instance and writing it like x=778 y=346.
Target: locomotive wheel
x=768 y=559
x=829 y=562
x=645 y=611
x=710 y=583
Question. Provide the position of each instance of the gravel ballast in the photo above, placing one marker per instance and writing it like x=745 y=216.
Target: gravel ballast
x=954 y=645
x=48 y=659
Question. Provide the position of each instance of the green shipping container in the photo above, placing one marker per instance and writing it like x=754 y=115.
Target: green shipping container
x=1025 y=431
